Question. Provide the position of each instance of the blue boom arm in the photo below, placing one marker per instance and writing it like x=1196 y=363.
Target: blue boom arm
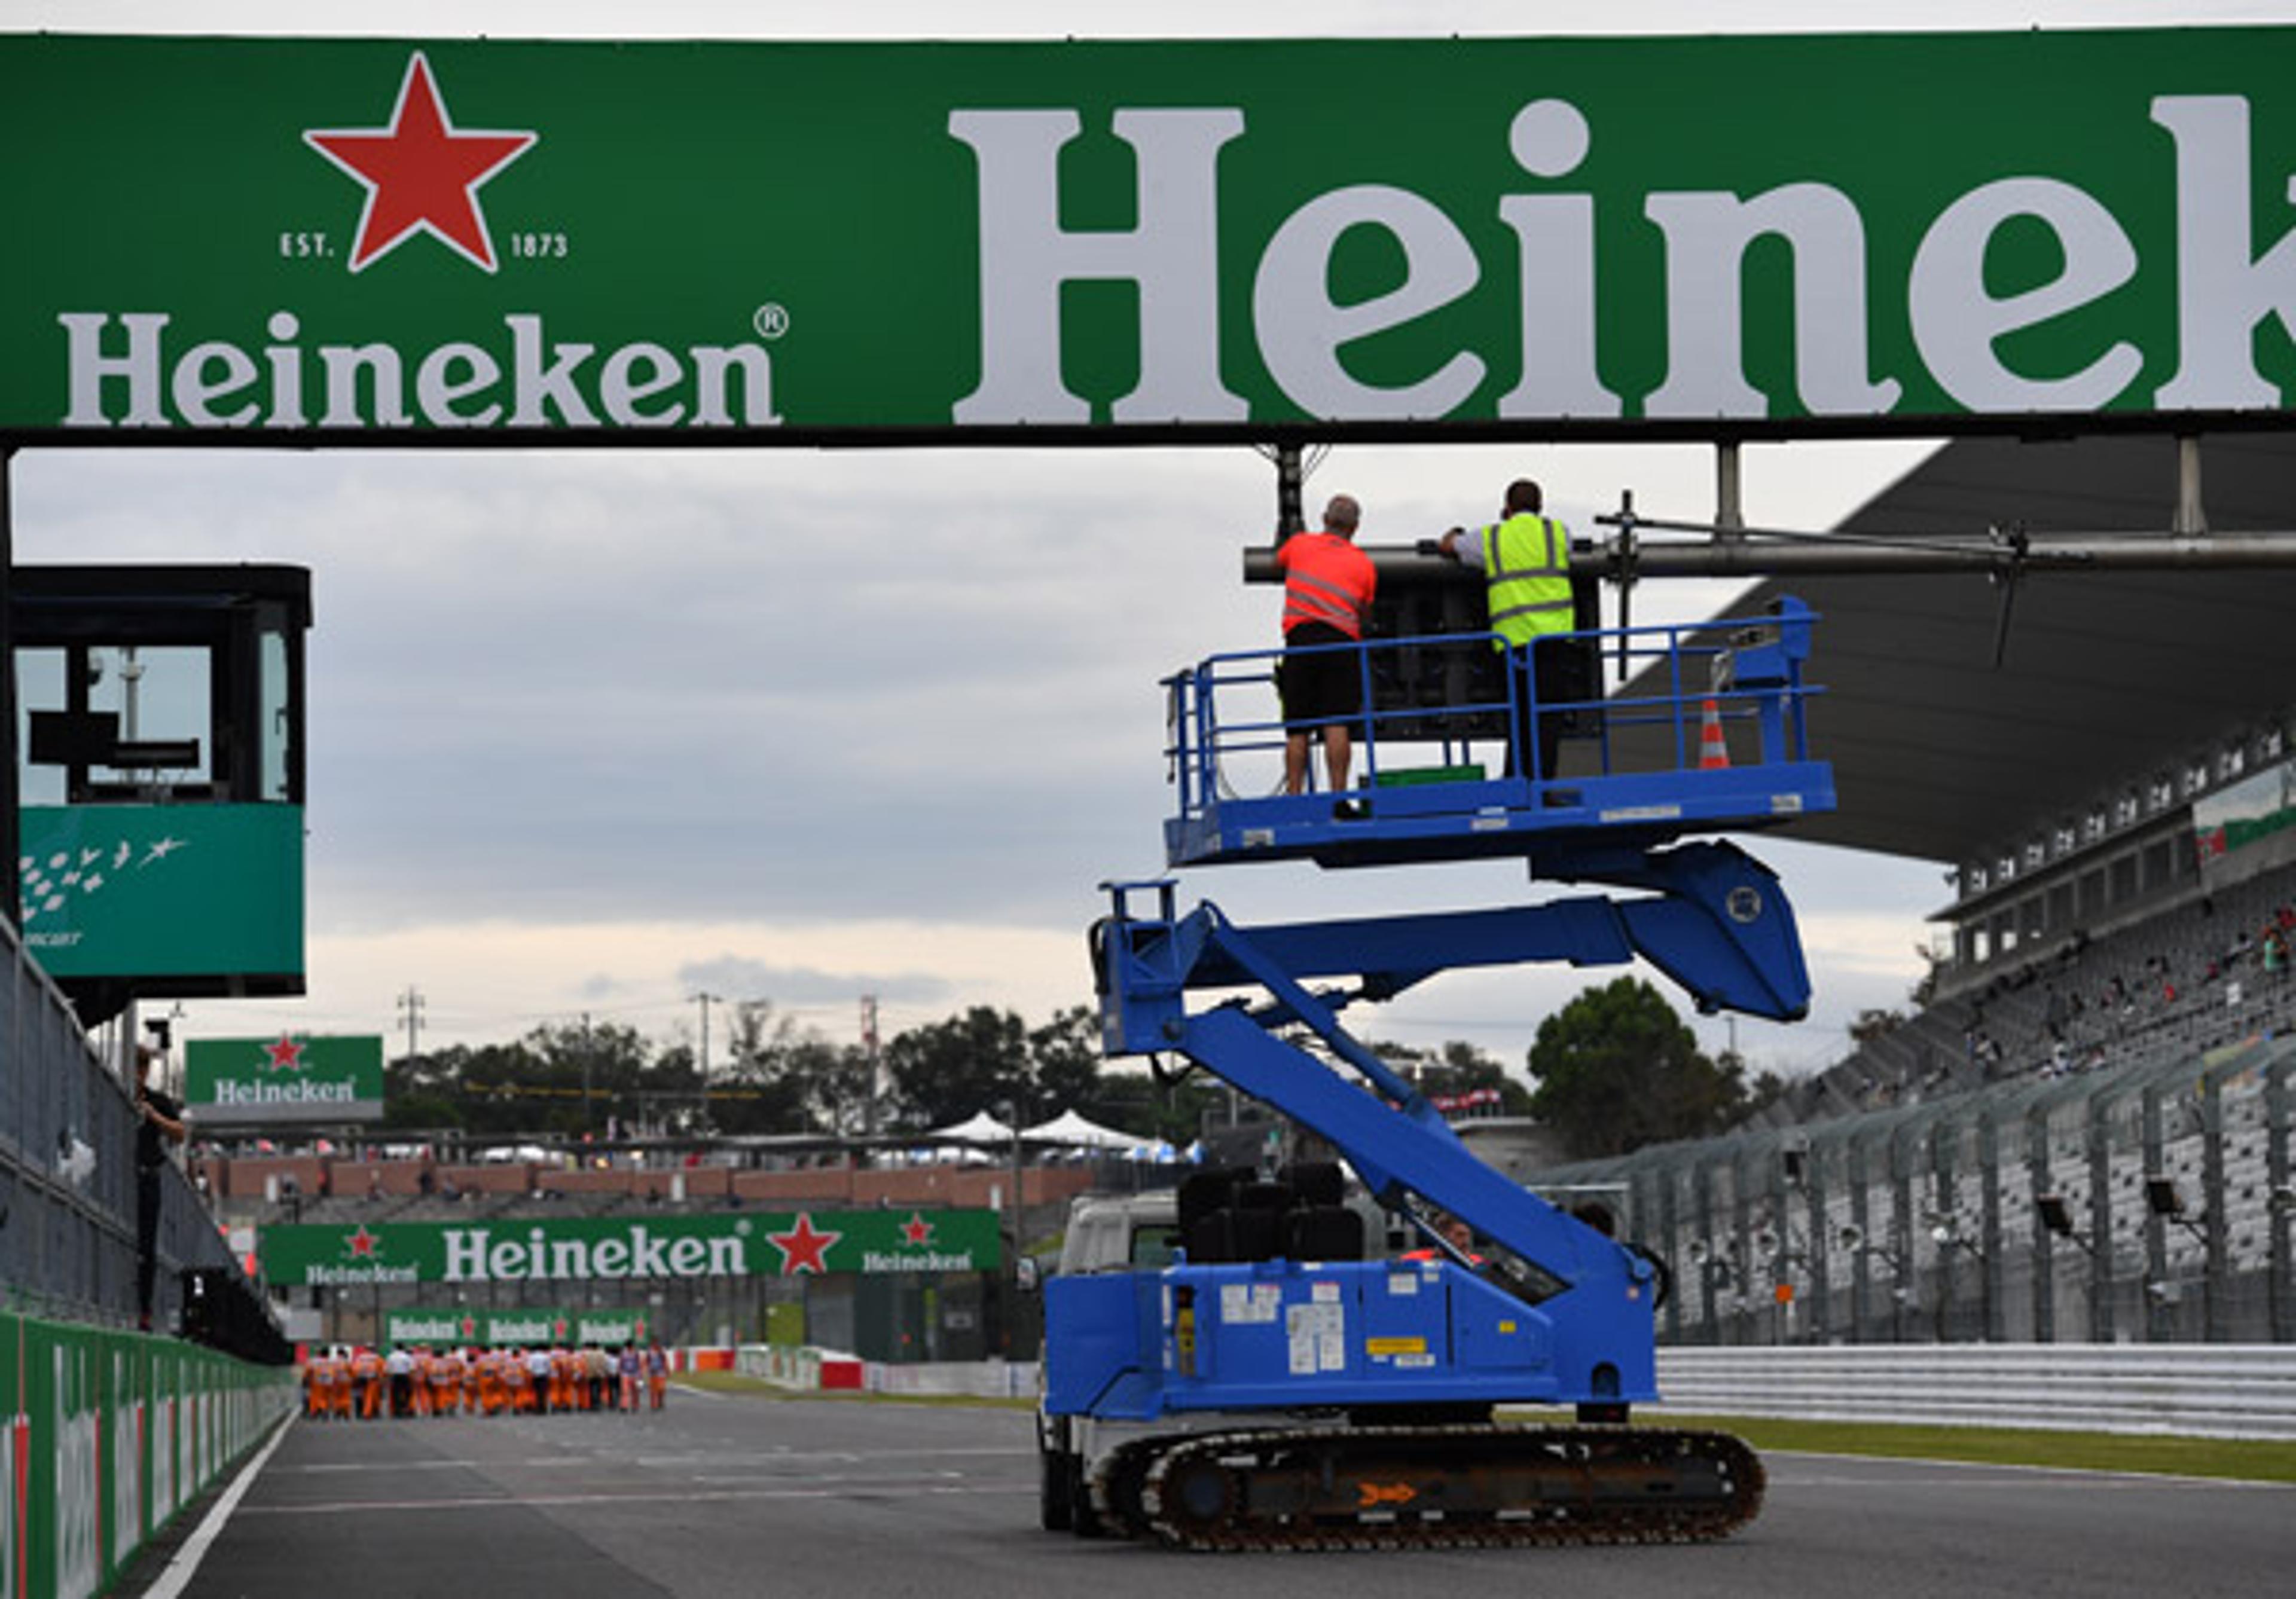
x=1719 y=925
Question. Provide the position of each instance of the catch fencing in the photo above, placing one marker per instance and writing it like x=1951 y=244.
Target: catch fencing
x=68 y=1171
x=2151 y=1203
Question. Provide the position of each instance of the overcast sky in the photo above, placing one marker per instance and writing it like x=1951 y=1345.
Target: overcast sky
x=594 y=732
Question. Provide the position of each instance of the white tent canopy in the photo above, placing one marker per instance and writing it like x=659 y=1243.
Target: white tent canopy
x=1071 y=1128
x=980 y=1127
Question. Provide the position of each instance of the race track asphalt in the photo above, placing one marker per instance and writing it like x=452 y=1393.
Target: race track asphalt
x=735 y=1494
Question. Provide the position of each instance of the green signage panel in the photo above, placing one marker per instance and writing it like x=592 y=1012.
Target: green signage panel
x=460 y=1324
x=164 y=891
x=260 y=1082
x=104 y=1438
x=538 y=242
x=521 y=1249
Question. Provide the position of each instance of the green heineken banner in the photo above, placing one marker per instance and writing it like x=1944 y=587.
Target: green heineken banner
x=257 y=1082
x=164 y=891
x=475 y=1324
x=521 y=1249
x=105 y=1437
x=535 y=241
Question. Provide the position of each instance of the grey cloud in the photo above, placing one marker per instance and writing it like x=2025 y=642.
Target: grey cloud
x=738 y=977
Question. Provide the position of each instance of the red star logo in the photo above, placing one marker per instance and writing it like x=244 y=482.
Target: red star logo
x=802 y=1248
x=363 y=1244
x=421 y=174
x=286 y=1056
x=916 y=1232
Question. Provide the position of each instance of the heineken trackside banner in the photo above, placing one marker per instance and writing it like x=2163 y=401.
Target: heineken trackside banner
x=257 y=1082
x=163 y=890
x=346 y=238
x=518 y=1249
x=475 y=1324
x=104 y=1438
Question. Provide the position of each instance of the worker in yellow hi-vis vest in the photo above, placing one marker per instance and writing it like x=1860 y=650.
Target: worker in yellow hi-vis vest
x=1526 y=561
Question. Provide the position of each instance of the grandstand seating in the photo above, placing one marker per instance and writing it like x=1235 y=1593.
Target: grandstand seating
x=2189 y=981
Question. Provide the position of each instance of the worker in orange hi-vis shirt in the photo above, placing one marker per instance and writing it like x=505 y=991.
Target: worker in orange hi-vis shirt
x=445 y=1380
x=339 y=1389
x=425 y=1359
x=314 y=1391
x=519 y=1380
x=565 y=1378
x=494 y=1389
x=366 y=1382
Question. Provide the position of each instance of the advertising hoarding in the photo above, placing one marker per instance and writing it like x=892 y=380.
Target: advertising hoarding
x=528 y=242
x=618 y=1248
x=283 y=1080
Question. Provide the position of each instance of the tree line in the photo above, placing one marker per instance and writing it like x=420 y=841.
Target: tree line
x=1614 y=1069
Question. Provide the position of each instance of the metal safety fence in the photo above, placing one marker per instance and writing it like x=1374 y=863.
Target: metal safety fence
x=2190 y=1390
x=68 y=1171
x=2151 y=1202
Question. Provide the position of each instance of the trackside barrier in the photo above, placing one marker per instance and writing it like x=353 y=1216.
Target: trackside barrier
x=2203 y=1390
x=107 y=1436
x=2224 y=1390
x=971 y=1379
x=781 y=1365
x=787 y=1366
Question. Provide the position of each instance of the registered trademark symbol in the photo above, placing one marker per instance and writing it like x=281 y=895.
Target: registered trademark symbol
x=772 y=320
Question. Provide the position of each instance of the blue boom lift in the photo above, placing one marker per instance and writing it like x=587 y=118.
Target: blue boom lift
x=1273 y=1388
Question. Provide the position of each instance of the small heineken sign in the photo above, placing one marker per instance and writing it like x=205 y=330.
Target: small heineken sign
x=416 y=1324
x=455 y=1326
x=287 y=1079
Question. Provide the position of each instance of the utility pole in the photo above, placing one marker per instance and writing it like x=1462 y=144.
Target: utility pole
x=869 y=1053
x=410 y=1011
x=704 y=1065
x=588 y=1052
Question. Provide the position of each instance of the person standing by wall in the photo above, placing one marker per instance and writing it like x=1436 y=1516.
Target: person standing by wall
x=159 y=1122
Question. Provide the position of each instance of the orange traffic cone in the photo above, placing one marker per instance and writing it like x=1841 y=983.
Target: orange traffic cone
x=1713 y=751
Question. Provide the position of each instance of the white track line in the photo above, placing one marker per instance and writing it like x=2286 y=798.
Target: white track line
x=186 y=1563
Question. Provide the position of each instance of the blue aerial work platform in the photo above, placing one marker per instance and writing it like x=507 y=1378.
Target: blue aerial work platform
x=1270 y=1313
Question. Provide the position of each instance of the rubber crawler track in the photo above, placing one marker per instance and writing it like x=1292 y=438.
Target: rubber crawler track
x=1596 y=1486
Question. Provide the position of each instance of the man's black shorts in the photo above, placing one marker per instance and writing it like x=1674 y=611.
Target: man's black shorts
x=1324 y=683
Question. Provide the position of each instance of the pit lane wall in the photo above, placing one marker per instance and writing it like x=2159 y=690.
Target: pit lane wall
x=107 y=1436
